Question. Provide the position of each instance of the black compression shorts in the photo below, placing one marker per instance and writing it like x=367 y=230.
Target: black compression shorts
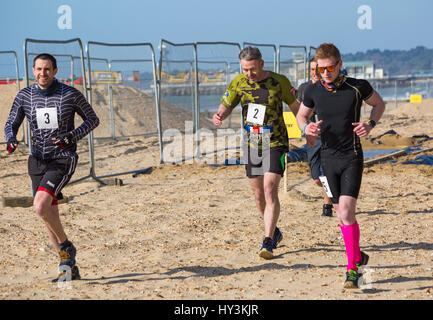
x=51 y=175
x=344 y=174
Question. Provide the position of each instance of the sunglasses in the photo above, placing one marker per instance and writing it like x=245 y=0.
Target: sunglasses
x=329 y=68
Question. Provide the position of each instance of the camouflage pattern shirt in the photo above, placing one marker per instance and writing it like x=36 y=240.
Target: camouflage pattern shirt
x=262 y=108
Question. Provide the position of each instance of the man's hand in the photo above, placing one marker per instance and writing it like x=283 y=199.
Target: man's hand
x=217 y=119
x=12 y=144
x=313 y=128
x=362 y=129
x=63 y=140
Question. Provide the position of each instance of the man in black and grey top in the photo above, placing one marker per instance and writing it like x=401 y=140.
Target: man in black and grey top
x=313 y=147
x=50 y=107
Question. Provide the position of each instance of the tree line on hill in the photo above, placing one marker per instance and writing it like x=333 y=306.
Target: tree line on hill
x=397 y=62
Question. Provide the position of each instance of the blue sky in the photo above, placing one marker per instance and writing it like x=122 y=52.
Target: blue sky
x=394 y=24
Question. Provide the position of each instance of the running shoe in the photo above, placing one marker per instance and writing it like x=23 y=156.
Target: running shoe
x=364 y=260
x=327 y=210
x=67 y=255
x=266 y=249
x=352 y=278
x=63 y=274
x=278 y=236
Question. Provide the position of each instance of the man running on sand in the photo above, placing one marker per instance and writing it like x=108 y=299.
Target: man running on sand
x=337 y=100
x=261 y=94
x=50 y=107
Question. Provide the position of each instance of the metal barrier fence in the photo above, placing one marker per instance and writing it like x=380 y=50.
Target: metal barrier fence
x=125 y=97
x=182 y=93
x=178 y=98
x=8 y=81
x=311 y=55
x=193 y=78
x=292 y=62
x=396 y=92
x=212 y=144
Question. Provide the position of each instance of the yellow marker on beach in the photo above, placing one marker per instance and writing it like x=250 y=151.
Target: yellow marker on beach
x=292 y=127
x=415 y=98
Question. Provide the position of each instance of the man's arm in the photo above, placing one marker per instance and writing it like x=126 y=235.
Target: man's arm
x=295 y=107
x=90 y=119
x=15 y=119
x=378 y=106
x=303 y=115
x=362 y=129
x=222 y=113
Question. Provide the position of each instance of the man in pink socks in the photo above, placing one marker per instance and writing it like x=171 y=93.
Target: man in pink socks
x=337 y=101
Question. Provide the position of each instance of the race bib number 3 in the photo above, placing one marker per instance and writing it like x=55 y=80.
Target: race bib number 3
x=325 y=185
x=256 y=113
x=47 y=118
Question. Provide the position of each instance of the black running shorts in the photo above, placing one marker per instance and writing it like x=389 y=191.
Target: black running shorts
x=51 y=175
x=344 y=174
x=270 y=160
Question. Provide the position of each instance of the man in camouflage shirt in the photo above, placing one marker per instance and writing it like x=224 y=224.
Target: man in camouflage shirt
x=261 y=94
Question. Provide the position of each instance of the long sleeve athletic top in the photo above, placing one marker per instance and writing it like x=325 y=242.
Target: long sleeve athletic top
x=49 y=116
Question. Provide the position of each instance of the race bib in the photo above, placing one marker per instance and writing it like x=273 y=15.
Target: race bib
x=256 y=113
x=47 y=118
x=325 y=185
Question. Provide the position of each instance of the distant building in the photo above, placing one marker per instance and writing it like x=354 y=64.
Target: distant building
x=362 y=70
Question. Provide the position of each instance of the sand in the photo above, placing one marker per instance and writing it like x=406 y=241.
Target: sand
x=192 y=231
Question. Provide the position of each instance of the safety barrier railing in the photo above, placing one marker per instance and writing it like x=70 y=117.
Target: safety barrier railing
x=142 y=58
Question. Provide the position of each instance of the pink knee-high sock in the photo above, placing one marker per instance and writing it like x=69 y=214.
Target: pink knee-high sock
x=351 y=240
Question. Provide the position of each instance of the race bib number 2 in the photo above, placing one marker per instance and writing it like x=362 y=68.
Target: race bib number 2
x=256 y=113
x=47 y=118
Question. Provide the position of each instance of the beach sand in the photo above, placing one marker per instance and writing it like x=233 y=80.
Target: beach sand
x=192 y=231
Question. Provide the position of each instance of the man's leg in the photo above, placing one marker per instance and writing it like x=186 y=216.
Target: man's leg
x=259 y=195
x=346 y=209
x=271 y=183
x=326 y=199
x=271 y=214
x=350 y=229
x=327 y=204
x=50 y=216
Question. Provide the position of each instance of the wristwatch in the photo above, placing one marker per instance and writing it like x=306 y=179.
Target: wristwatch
x=372 y=123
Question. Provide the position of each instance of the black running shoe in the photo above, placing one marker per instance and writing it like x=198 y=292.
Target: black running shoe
x=364 y=260
x=352 y=278
x=266 y=249
x=327 y=210
x=276 y=239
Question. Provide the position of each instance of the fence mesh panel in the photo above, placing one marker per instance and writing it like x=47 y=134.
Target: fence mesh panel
x=9 y=86
x=123 y=96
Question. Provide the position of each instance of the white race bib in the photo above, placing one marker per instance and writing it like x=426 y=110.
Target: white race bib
x=47 y=118
x=325 y=185
x=256 y=113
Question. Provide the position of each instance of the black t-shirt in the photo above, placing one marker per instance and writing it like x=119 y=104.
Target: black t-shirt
x=300 y=96
x=301 y=90
x=338 y=109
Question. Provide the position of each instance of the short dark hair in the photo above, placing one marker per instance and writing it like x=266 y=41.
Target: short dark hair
x=46 y=56
x=250 y=53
